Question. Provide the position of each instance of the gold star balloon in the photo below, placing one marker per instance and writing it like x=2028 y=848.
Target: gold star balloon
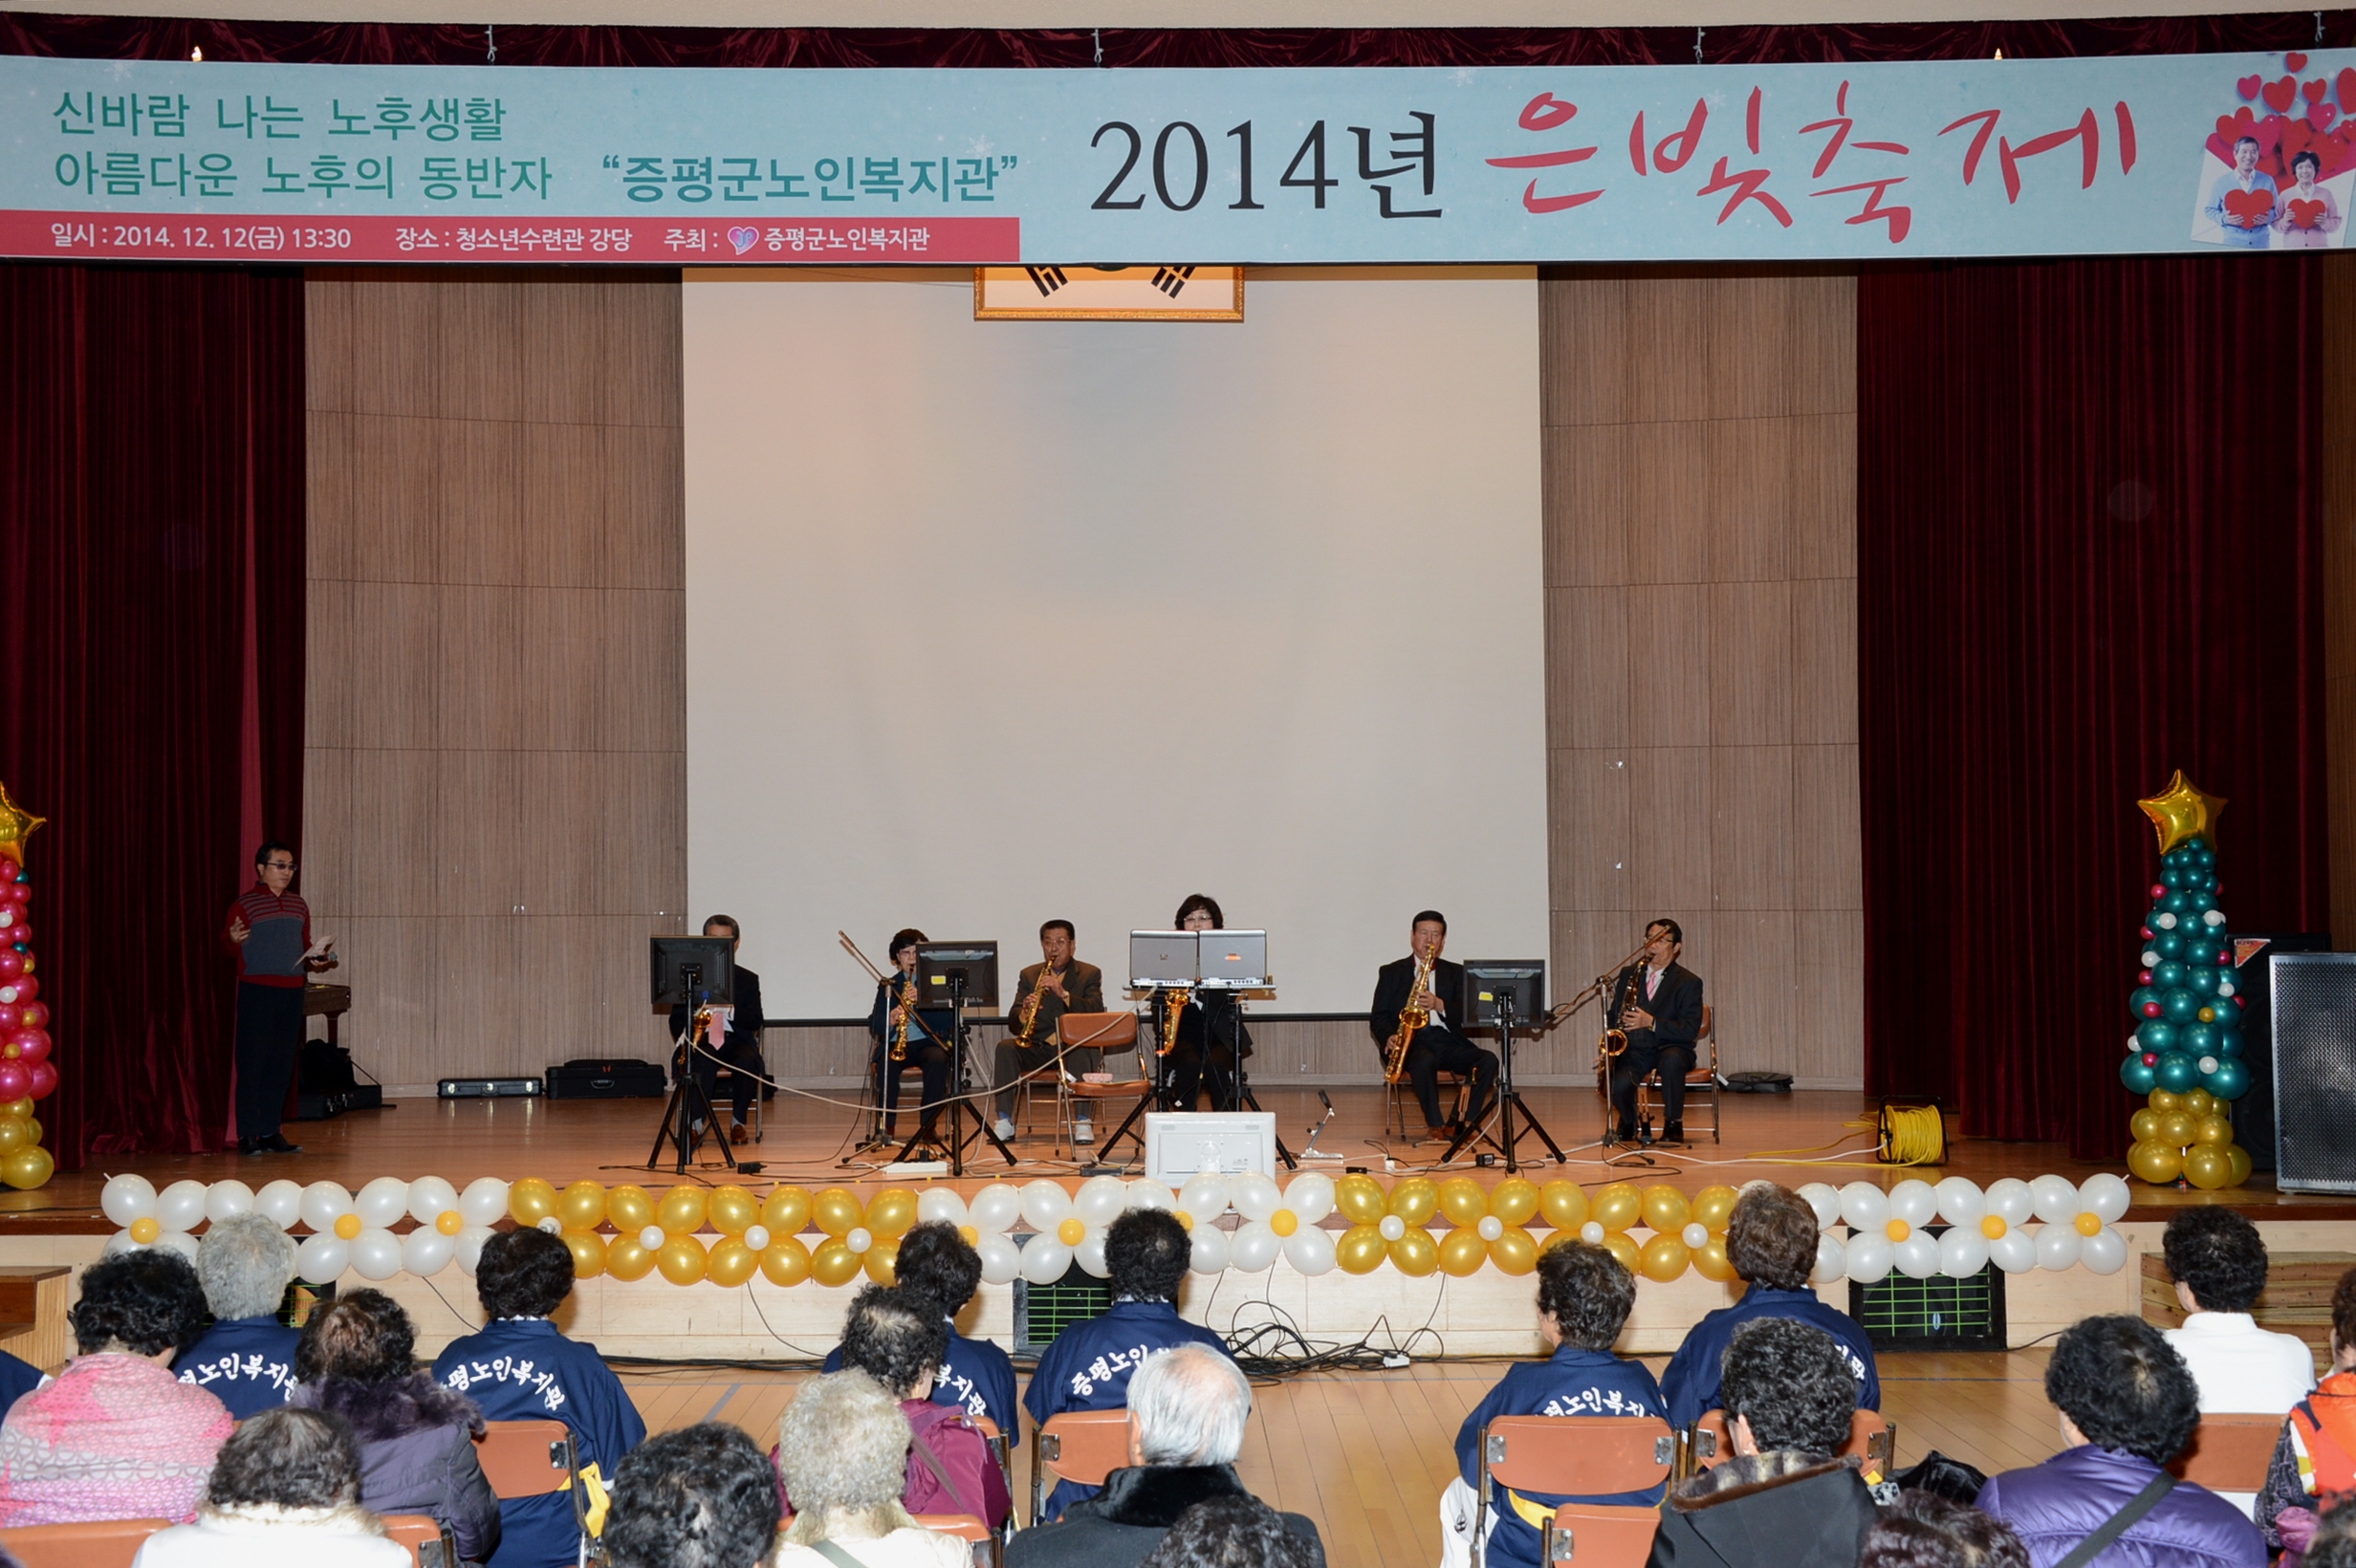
x=2181 y=812
x=16 y=825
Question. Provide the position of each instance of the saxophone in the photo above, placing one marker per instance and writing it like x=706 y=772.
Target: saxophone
x=1178 y=1000
x=1411 y=1017
x=907 y=1019
x=1031 y=1006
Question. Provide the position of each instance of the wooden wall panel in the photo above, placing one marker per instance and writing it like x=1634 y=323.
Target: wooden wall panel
x=1700 y=495
x=495 y=772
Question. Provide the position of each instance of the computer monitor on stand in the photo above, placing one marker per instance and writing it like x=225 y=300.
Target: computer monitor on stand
x=958 y=975
x=694 y=972
x=1506 y=995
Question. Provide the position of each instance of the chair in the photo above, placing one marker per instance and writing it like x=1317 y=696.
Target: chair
x=536 y=1459
x=1398 y=1097
x=1592 y=1454
x=2229 y=1452
x=1872 y=1439
x=110 y=1543
x=428 y=1540
x=1074 y=1098
x=965 y=1527
x=1082 y=1447
x=1701 y=1083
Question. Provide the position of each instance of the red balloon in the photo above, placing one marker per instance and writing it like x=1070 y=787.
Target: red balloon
x=27 y=987
x=2158 y=891
x=2142 y=977
x=32 y=1016
x=31 y=1045
x=12 y=963
x=18 y=891
x=20 y=933
x=2151 y=1010
x=2143 y=931
x=2152 y=1058
x=44 y=1075
x=15 y=1080
x=12 y=1019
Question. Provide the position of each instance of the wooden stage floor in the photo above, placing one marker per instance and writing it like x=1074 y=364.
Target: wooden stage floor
x=1793 y=1138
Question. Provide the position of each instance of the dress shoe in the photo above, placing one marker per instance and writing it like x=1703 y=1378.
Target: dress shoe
x=1674 y=1133
x=1626 y=1133
x=738 y=1132
x=276 y=1144
x=248 y=1146
x=1438 y=1135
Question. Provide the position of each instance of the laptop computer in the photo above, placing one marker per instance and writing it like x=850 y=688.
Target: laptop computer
x=1162 y=958
x=1234 y=959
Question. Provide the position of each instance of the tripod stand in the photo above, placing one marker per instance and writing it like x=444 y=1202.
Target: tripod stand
x=1508 y=1105
x=953 y=1138
x=688 y=1104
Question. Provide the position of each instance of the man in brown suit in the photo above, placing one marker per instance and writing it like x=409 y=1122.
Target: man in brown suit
x=1060 y=984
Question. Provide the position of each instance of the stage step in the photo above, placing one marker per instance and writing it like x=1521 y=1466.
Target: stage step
x=2298 y=1296
x=33 y=1304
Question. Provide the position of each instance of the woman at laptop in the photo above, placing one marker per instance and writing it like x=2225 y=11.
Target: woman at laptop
x=1210 y=1032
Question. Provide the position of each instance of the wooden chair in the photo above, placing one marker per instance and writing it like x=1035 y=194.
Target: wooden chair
x=1872 y=1439
x=2229 y=1452
x=110 y=1543
x=1700 y=1084
x=1597 y=1455
x=429 y=1540
x=1107 y=1032
x=1082 y=1447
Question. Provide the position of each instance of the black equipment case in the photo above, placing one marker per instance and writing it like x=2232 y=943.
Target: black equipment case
x=599 y=1077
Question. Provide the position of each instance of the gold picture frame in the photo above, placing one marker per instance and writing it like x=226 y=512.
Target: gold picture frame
x=1167 y=291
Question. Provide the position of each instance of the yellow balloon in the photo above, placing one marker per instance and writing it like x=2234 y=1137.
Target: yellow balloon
x=972 y=1235
x=786 y=1211
x=837 y=1211
x=581 y=1207
x=2156 y=1162
x=2163 y=1099
x=1361 y=1249
x=627 y=1260
x=2240 y=1160
x=1462 y=1253
x=19 y=1107
x=2200 y=1102
x=2207 y=1015
x=1617 y=1206
x=731 y=1263
x=1665 y=1257
x=1556 y=1239
x=1714 y=1206
x=1897 y=1229
x=1564 y=1204
x=1284 y=1222
x=882 y=1260
x=33 y=1130
x=531 y=1201
x=1513 y=1200
x=732 y=1210
x=1711 y=1262
x=1415 y=1201
x=1513 y=1252
x=1993 y=1226
x=630 y=1208
x=892 y=1213
x=2176 y=1128
x=449 y=1222
x=834 y=1263
x=785 y=1261
x=588 y=1253
x=348 y=1225
x=2089 y=1224
x=2214 y=1129
x=146 y=1229
x=681 y=1213
x=11 y=1133
x=1360 y=1199
x=2144 y=1124
x=1622 y=1246
x=1184 y=1219
x=1462 y=1201
x=1416 y=1252
x=2207 y=1168
x=1665 y=1209
x=682 y=1260
x=1072 y=1232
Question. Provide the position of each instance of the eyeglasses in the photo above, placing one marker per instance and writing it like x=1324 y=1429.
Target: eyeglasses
x=278 y=865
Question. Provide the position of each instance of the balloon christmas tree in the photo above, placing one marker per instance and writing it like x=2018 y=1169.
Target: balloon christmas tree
x=2185 y=1054
x=26 y=1073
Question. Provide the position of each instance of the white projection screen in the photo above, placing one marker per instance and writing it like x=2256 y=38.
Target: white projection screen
x=992 y=622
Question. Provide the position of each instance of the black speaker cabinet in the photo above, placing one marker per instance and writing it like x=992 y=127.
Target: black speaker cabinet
x=2253 y=1112
x=2314 y=1071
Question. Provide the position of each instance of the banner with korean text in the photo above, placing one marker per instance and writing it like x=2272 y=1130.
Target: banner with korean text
x=328 y=163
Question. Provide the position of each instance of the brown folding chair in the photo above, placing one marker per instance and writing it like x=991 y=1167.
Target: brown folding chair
x=1873 y=1438
x=429 y=1540
x=1598 y=1455
x=966 y=1528
x=1398 y=1097
x=2229 y=1452
x=1107 y=1032
x=1701 y=1082
x=106 y=1544
x=534 y=1459
x=1082 y=1447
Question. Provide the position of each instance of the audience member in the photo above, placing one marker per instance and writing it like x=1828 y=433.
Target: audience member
x=1089 y=1366
x=115 y=1435
x=1229 y=1533
x=1188 y=1408
x=699 y=1497
x=247 y=1359
x=520 y=1368
x=1771 y=1240
x=1584 y=1298
x=17 y=1379
x=2218 y=1261
x=1924 y=1530
x=415 y=1438
x=898 y=1340
x=934 y=1260
x=2315 y=1459
x=284 y=1494
x=843 y=1450
x=2128 y=1406
x=1783 y=1501
x=2334 y=1545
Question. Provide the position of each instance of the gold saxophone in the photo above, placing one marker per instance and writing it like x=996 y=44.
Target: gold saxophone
x=1411 y=1017
x=1031 y=1005
x=1615 y=1039
x=907 y=1019
x=1178 y=1000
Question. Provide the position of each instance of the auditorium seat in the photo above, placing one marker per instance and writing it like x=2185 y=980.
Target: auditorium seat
x=1082 y=1447
x=1107 y=1032
x=966 y=1528
x=2229 y=1452
x=1595 y=1455
x=527 y=1458
x=429 y=1540
x=1871 y=1439
x=110 y=1543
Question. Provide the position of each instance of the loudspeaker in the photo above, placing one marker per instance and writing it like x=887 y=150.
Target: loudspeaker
x=2253 y=1114
x=2314 y=1071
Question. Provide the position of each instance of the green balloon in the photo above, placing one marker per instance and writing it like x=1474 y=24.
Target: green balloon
x=2176 y=1072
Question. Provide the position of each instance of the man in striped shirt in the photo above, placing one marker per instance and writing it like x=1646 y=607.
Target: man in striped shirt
x=268 y=929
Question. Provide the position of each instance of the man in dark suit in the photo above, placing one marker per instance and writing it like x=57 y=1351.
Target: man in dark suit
x=739 y=1048
x=1060 y=984
x=1658 y=1003
x=1440 y=1044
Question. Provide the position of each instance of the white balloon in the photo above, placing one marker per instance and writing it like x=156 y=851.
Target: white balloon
x=2213 y=917
x=376 y=1253
x=1832 y=1260
x=1045 y=1204
x=127 y=1198
x=1100 y=1200
x=427 y=1251
x=431 y=1197
x=1205 y=1196
x=323 y=1259
x=1825 y=1199
x=2010 y=1200
x=1869 y=1257
x=551 y=1225
x=1001 y=1260
x=282 y=1201
x=2057 y=1245
x=2150 y=958
x=995 y=1207
x=120 y=1242
x=1255 y=1196
x=469 y=1249
x=179 y=1241
x=324 y=1203
x=1591 y=1232
x=756 y=1237
x=1913 y=1200
x=1694 y=1235
x=1393 y=1227
x=652 y=1238
x=858 y=1239
x=1310 y=1196
x=2054 y=1199
x=1963 y=1251
x=181 y=1205
x=2104 y=1252
x=2165 y=921
x=941 y=1204
x=1254 y=1246
x=1208 y=1254
x=1962 y=1202
x=1310 y=1250
x=223 y=1199
x=1045 y=1261
x=1089 y=1254
x=382 y=1202
x=1148 y=1193
x=1917 y=1257
x=1490 y=1228
x=2105 y=1196
x=1865 y=1207
x=2014 y=1252
x=483 y=1202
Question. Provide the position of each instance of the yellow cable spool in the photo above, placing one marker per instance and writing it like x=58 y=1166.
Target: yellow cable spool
x=1913 y=1135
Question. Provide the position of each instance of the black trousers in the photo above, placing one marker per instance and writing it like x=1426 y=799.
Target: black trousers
x=742 y=1056
x=1674 y=1062
x=270 y=1033
x=1189 y=1075
x=1436 y=1051
x=927 y=1056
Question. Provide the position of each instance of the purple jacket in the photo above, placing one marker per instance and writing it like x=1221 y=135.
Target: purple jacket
x=416 y=1453
x=2056 y=1505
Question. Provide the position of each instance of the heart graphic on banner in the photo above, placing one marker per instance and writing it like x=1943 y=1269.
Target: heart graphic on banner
x=2347 y=85
x=2293 y=62
x=2314 y=90
x=2321 y=116
x=743 y=239
x=2280 y=94
x=2249 y=86
x=2304 y=215
x=2249 y=207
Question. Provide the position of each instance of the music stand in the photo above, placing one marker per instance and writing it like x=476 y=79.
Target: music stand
x=689 y=971
x=1502 y=994
x=967 y=974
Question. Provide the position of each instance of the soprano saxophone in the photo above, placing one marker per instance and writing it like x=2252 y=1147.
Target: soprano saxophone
x=1411 y=1017
x=1031 y=1005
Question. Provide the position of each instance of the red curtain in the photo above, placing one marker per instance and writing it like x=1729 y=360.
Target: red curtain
x=151 y=445
x=2090 y=536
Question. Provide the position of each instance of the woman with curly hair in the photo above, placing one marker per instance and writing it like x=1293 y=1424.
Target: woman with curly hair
x=115 y=1435
x=842 y=1447
x=284 y=1494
